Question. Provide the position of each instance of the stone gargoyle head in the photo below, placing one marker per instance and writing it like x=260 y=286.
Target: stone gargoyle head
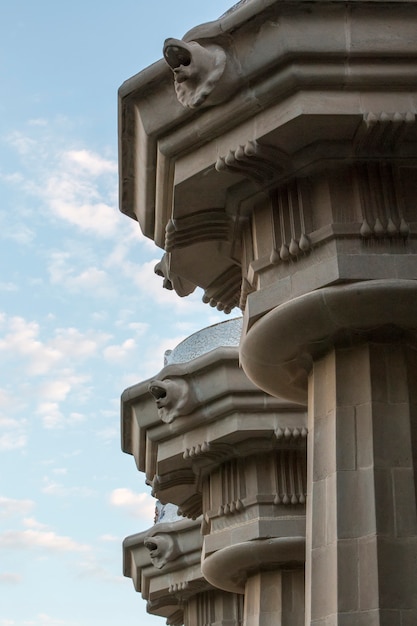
x=197 y=71
x=174 y=397
x=181 y=286
x=163 y=547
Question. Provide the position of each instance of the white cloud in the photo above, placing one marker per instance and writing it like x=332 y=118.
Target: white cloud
x=109 y=434
x=52 y=488
x=91 y=280
x=91 y=162
x=10 y=578
x=47 y=540
x=31 y=522
x=119 y=353
x=51 y=415
x=73 y=343
x=109 y=538
x=23 y=339
x=8 y=286
x=10 y=507
x=78 y=186
x=137 y=504
x=91 y=567
x=60 y=470
x=13 y=434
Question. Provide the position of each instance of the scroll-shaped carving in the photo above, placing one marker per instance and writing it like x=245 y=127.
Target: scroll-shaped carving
x=381 y=202
x=171 y=281
x=381 y=132
x=224 y=292
x=174 y=397
x=162 y=546
x=160 y=484
x=212 y=225
x=197 y=70
x=253 y=160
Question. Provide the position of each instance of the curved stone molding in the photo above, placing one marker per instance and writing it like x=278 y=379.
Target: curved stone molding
x=308 y=326
x=172 y=281
x=254 y=160
x=228 y=568
x=197 y=71
x=174 y=397
x=191 y=229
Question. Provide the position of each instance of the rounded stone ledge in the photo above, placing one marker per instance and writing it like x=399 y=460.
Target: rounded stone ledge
x=223 y=334
x=229 y=568
x=278 y=350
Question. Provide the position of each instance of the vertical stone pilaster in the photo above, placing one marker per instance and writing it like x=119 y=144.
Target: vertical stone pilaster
x=275 y=598
x=361 y=513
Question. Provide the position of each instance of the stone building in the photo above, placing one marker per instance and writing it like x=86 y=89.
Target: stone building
x=272 y=156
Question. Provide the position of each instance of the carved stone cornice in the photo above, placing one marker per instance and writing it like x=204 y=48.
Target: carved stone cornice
x=297 y=105
x=164 y=565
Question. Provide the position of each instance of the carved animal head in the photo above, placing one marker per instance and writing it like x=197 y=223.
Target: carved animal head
x=174 y=397
x=171 y=281
x=197 y=70
x=163 y=547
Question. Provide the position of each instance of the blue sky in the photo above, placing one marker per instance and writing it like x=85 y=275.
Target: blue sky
x=82 y=315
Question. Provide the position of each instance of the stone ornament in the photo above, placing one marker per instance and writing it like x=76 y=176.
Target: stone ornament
x=174 y=397
x=162 y=547
x=181 y=286
x=197 y=71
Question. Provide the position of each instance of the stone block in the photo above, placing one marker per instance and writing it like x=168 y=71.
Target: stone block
x=391 y=435
x=404 y=506
x=324 y=582
x=345 y=438
x=318 y=536
x=324 y=462
x=355 y=504
x=368 y=578
x=352 y=373
x=384 y=502
x=348 y=575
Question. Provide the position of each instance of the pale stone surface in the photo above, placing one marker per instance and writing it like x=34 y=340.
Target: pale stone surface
x=238 y=458
x=301 y=175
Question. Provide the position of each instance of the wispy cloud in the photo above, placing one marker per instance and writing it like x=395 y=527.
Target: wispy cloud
x=10 y=507
x=76 y=185
x=52 y=488
x=64 y=270
x=33 y=539
x=136 y=504
x=10 y=578
x=13 y=434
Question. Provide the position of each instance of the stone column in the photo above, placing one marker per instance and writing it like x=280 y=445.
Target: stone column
x=215 y=445
x=294 y=140
x=362 y=525
x=356 y=346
